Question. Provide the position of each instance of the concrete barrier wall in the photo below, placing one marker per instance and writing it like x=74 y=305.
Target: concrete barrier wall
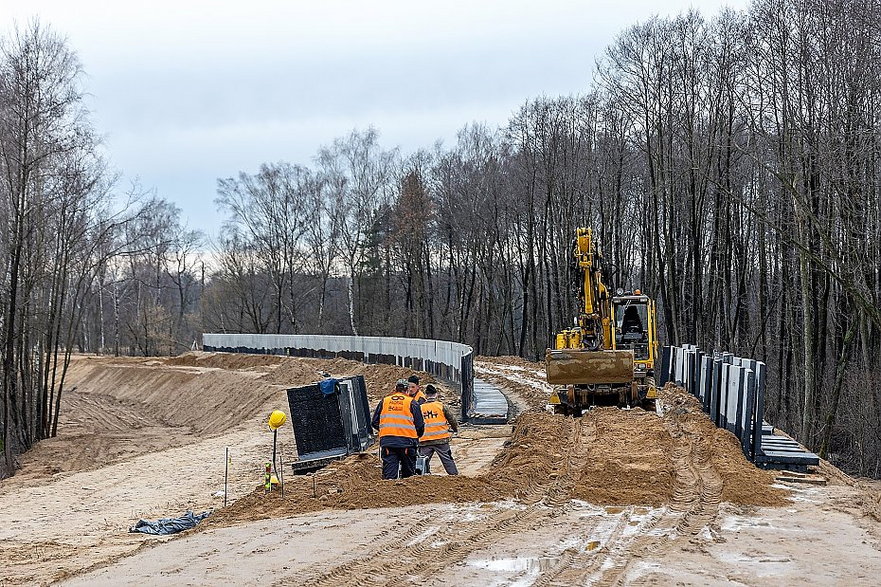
x=450 y=361
x=730 y=388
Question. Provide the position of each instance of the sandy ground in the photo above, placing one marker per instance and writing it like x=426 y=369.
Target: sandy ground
x=612 y=498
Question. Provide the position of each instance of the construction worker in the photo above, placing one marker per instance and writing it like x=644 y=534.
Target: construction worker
x=400 y=424
x=414 y=390
x=439 y=422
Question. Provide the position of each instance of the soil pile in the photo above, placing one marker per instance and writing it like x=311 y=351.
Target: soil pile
x=354 y=483
x=223 y=360
x=608 y=457
x=295 y=371
x=629 y=461
x=380 y=379
x=539 y=451
x=743 y=482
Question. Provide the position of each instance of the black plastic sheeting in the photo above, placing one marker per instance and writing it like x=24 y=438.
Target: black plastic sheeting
x=170 y=525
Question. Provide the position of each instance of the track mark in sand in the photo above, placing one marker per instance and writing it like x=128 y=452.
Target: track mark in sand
x=101 y=412
x=588 y=565
x=362 y=570
x=695 y=505
x=422 y=554
x=584 y=434
x=705 y=508
x=419 y=553
x=698 y=485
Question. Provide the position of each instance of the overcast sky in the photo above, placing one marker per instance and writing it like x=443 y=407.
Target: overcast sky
x=188 y=91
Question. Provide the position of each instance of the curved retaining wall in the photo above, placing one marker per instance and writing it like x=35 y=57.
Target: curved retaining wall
x=450 y=361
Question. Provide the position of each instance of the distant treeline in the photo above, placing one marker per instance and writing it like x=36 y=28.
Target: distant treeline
x=730 y=168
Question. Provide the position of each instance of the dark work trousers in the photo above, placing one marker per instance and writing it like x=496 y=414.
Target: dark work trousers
x=394 y=457
x=446 y=457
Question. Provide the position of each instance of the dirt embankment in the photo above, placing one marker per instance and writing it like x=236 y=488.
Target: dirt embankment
x=116 y=409
x=608 y=457
x=290 y=371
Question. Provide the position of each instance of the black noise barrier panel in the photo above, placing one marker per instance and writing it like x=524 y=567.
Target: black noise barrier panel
x=331 y=419
x=732 y=392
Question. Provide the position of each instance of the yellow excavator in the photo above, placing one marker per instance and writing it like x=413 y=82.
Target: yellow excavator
x=609 y=355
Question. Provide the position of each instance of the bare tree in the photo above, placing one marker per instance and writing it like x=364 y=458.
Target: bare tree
x=358 y=175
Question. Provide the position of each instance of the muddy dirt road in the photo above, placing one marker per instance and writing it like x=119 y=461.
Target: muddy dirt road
x=614 y=497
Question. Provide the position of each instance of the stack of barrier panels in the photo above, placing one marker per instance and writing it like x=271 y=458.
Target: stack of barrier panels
x=329 y=423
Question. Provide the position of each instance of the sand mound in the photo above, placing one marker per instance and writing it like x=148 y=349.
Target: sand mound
x=223 y=360
x=355 y=483
x=607 y=457
x=380 y=378
x=629 y=461
x=743 y=482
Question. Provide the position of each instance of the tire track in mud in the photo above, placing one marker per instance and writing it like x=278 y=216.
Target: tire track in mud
x=420 y=559
x=577 y=567
x=419 y=551
x=695 y=504
x=698 y=482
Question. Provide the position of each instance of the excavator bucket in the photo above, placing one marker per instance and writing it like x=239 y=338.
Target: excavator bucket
x=581 y=367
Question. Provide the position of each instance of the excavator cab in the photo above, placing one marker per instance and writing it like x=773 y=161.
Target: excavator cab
x=631 y=327
x=634 y=329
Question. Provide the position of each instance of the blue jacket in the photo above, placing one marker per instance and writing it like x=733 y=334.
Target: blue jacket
x=401 y=441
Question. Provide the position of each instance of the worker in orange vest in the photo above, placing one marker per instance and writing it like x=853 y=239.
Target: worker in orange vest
x=440 y=424
x=414 y=389
x=400 y=424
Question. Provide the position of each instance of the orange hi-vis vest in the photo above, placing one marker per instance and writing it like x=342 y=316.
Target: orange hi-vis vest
x=396 y=419
x=419 y=396
x=436 y=425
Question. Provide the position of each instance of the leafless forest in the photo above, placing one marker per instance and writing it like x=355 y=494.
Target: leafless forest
x=730 y=164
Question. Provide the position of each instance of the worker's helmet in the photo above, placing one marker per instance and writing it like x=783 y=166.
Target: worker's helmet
x=402 y=384
x=277 y=419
